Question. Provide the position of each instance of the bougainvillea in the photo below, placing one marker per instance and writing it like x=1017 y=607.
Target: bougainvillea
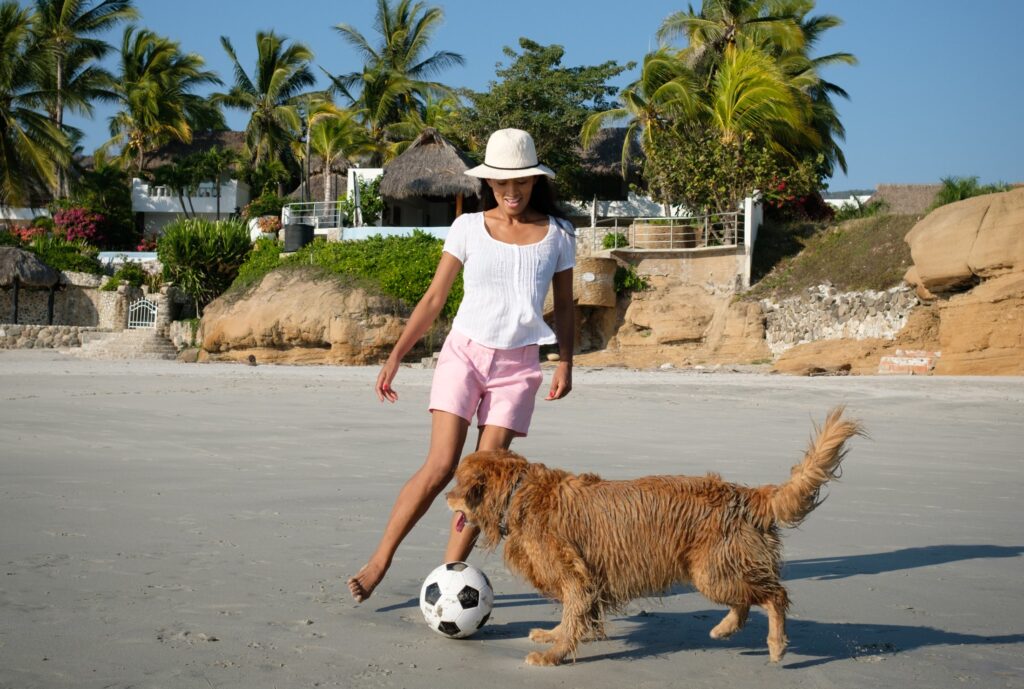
x=80 y=223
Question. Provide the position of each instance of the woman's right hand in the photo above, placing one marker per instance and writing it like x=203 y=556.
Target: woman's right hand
x=384 y=378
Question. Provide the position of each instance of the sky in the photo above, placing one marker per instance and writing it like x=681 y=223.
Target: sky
x=936 y=92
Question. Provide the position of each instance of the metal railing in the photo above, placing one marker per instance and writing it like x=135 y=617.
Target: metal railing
x=667 y=234
x=319 y=214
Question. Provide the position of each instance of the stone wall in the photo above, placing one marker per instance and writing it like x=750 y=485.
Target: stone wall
x=824 y=313
x=78 y=301
x=182 y=335
x=41 y=336
x=80 y=306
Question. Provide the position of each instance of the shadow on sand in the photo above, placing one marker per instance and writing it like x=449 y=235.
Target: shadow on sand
x=908 y=558
x=662 y=633
x=654 y=634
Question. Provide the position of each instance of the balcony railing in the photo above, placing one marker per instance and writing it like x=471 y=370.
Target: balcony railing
x=668 y=234
x=319 y=214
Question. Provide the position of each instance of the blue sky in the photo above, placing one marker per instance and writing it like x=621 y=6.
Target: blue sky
x=937 y=91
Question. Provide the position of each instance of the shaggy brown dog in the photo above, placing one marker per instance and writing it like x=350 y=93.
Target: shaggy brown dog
x=595 y=544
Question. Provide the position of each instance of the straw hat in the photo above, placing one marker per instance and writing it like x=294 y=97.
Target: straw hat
x=510 y=153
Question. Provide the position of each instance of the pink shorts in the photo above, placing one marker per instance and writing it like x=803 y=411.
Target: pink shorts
x=498 y=385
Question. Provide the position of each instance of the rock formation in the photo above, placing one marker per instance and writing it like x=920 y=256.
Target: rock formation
x=969 y=269
x=298 y=317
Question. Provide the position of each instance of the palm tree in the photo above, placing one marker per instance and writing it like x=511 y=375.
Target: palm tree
x=395 y=79
x=805 y=74
x=751 y=96
x=783 y=30
x=437 y=113
x=32 y=147
x=215 y=164
x=339 y=138
x=272 y=97
x=66 y=30
x=666 y=91
x=154 y=89
x=721 y=24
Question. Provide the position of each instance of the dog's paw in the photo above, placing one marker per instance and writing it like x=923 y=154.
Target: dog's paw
x=724 y=630
x=543 y=636
x=542 y=659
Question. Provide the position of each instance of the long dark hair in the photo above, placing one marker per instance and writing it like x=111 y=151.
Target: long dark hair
x=542 y=199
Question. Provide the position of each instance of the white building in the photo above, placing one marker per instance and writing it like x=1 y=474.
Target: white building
x=159 y=205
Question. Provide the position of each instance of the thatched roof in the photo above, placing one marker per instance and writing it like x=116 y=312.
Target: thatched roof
x=201 y=141
x=431 y=166
x=907 y=199
x=338 y=180
x=26 y=267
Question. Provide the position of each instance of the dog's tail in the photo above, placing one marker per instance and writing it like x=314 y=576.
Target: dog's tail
x=793 y=500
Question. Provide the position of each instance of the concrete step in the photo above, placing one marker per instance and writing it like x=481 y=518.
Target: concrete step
x=129 y=344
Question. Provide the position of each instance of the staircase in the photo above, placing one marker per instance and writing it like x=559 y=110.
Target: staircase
x=143 y=343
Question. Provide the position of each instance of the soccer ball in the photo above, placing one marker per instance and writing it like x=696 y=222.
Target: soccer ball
x=456 y=599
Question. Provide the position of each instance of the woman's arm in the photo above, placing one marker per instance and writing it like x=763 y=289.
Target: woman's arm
x=565 y=331
x=423 y=316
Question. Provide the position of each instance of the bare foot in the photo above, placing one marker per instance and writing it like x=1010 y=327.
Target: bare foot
x=361 y=586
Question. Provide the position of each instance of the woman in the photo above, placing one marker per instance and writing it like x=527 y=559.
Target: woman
x=489 y=365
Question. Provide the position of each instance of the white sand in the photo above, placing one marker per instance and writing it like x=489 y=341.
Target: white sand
x=175 y=525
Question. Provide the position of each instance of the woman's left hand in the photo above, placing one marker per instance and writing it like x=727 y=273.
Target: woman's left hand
x=561 y=381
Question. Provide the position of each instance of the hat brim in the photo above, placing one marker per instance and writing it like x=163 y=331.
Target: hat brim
x=487 y=172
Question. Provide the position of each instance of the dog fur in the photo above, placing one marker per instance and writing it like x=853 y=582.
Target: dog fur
x=595 y=545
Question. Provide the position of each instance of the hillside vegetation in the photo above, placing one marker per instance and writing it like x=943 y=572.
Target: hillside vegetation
x=862 y=254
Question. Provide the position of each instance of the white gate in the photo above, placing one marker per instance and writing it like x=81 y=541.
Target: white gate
x=141 y=314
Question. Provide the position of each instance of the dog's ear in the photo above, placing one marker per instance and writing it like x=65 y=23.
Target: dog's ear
x=476 y=491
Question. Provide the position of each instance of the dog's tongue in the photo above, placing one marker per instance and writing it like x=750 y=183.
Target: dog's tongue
x=460 y=524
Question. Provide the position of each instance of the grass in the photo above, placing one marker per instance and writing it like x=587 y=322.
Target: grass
x=863 y=254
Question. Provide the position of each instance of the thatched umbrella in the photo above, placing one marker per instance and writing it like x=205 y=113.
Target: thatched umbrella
x=431 y=166
x=19 y=267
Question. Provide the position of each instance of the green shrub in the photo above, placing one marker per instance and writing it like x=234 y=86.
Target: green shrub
x=44 y=221
x=132 y=273
x=960 y=188
x=267 y=204
x=401 y=267
x=614 y=240
x=370 y=203
x=264 y=257
x=63 y=254
x=8 y=238
x=111 y=284
x=202 y=257
x=628 y=280
x=861 y=210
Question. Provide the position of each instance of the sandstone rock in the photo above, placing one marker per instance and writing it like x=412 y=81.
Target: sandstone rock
x=294 y=317
x=832 y=357
x=671 y=313
x=999 y=248
x=982 y=332
x=980 y=237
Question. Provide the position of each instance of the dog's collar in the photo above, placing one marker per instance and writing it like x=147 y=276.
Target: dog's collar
x=503 y=523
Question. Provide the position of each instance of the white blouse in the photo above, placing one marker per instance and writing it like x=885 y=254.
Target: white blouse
x=505 y=284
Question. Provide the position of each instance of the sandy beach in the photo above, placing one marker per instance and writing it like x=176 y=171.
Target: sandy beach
x=186 y=525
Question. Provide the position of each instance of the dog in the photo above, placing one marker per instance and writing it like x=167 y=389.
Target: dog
x=595 y=545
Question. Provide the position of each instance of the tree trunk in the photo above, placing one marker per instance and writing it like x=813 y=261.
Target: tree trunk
x=62 y=181
x=181 y=200
x=14 y=315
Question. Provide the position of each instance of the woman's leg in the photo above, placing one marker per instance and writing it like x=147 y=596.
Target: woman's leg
x=461 y=543
x=447 y=437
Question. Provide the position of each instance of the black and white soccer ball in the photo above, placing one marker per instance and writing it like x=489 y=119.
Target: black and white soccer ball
x=456 y=599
